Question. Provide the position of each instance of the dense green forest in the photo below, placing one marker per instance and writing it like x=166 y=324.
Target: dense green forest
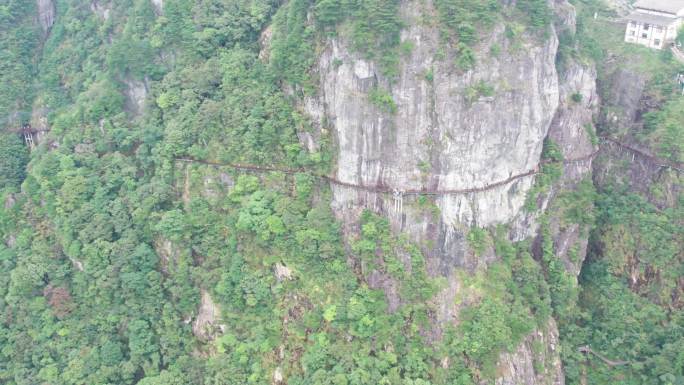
x=111 y=241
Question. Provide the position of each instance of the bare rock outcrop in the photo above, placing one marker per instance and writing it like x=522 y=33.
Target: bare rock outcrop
x=535 y=361
x=136 y=95
x=158 y=6
x=573 y=131
x=207 y=323
x=626 y=160
x=46 y=14
x=440 y=137
x=101 y=9
x=622 y=166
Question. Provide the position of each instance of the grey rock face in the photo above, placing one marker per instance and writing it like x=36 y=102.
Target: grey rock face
x=570 y=130
x=46 y=14
x=439 y=138
x=168 y=252
x=622 y=92
x=158 y=6
x=207 y=324
x=625 y=103
x=569 y=127
x=136 y=93
x=618 y=165
x=529 y=366
x=39 y=121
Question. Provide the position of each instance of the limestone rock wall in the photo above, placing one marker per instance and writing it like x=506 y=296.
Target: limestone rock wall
x=440 y=137
x=573 y=131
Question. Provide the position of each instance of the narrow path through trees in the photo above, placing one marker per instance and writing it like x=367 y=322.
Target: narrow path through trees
x=587 y=350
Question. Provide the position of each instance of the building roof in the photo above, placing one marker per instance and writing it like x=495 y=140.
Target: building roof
x=647 y=18
x=669 y=6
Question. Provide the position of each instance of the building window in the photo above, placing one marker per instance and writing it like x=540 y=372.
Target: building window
x=646 y=27
x=656 y=42
x=644 y=35
x=632 y=33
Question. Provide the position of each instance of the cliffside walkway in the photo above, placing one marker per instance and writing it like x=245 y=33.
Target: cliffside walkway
x=587 y=350
x=29 y=131
x=397 y=192
x=663 y=163
x=385 y=189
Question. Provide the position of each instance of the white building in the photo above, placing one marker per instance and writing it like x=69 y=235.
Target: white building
x=654 y=23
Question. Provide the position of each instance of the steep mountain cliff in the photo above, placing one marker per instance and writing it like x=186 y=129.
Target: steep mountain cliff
x=334 y=192
x=448 y=130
